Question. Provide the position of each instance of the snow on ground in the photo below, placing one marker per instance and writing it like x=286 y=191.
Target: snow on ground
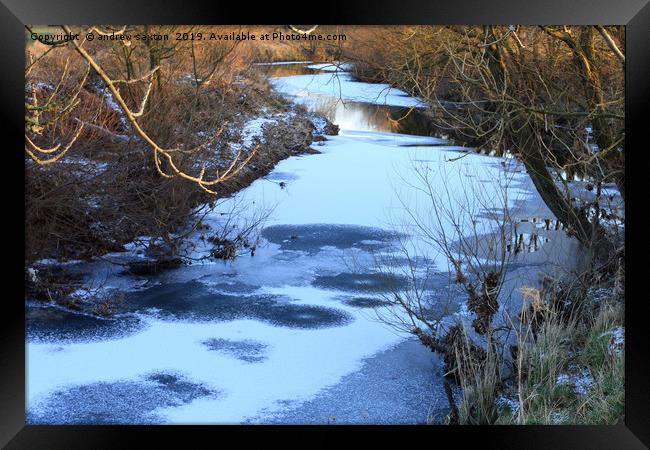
x=580 y=382
x=253 y=129
x=88 y=165
x=617 y=339
x=112 y=104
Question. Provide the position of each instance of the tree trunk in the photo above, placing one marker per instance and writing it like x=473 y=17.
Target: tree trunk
x=590 y=234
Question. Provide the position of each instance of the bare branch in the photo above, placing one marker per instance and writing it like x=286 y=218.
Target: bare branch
x=303 y=32
x=160 y=152
x=610 y=42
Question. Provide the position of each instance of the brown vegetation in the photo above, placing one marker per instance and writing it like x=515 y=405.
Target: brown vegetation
x=130 y=139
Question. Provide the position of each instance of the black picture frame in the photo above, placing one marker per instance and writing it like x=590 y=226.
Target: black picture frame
x=14 y=14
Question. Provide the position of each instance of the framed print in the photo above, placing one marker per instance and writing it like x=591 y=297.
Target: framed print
x=410 y=214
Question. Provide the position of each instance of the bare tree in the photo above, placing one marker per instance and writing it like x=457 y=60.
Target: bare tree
x=165 y=159
x=457 y=240
x=552 y=96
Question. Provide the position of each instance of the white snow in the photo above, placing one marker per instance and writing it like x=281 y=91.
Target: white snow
x=300 y=362
x=280 y=63
x=618 y=336
x=617 y=339
x=32 y=274
x=341 y=85
x=254 y=129
x=511 y=403
x=97 y=167
x=331 y=66
x=352 y=180
x=51 y=262
x=581 y=382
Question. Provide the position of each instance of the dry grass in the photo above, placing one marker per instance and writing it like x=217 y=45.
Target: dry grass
x=566 y=370
x=570 y=369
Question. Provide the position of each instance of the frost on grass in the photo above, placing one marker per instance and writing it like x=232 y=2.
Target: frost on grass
x=581 y=382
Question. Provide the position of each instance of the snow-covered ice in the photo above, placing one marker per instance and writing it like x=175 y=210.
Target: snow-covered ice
x=280 y=63
x=239 y=341
x=342 y=85
x=330 y=66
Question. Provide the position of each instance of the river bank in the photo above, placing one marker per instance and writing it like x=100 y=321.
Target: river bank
x=91 y=223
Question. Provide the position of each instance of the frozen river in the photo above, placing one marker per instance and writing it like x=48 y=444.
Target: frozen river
x=289 y=335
